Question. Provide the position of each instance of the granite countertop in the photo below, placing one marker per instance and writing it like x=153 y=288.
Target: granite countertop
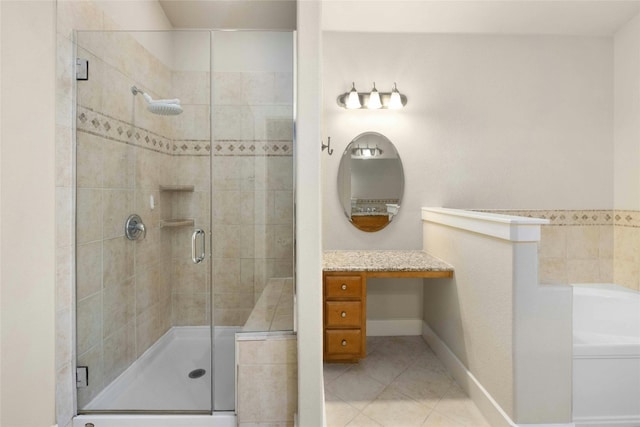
x=388 y=260
x=370 y=214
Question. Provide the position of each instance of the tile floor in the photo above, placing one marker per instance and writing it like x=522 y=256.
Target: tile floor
x=401 y=383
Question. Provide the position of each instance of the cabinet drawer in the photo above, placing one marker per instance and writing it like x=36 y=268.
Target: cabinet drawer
x=343 y=314
x=343 y=342
x=343 y=287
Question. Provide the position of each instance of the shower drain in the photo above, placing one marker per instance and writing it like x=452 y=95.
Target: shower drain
x=197 y=373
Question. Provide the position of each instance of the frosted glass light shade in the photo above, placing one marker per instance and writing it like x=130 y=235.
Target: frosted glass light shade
x=353 y=100
x=395 y=102
x=374 y=99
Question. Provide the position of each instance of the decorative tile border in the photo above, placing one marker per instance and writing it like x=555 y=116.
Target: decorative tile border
x=114 y=129
x=105 y=126
x=562 y=217
x=619 y=218
x=626 y=218
x=253 y=148
x=190 y=147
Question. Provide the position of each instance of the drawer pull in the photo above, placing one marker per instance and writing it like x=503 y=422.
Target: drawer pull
x=343 y=314
x=344 y=343
x=343 y=287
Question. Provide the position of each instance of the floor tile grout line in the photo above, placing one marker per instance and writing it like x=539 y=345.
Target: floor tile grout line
x=396 y=377
x=413 y=354
x=431 y=409
x=339 y=375
x=409 y=398
x=458 y=424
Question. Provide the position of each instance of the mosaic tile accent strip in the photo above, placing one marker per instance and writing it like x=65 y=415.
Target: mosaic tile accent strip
x=562 y=217
x=190 y=148
x=626 y=218
x=117 y=130
x=245 y=148
x=105 y=126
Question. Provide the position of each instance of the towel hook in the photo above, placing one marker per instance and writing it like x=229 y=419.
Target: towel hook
x=327 y=146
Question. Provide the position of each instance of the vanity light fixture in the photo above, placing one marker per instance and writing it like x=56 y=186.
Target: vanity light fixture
x=374 y=100
x=366 y=152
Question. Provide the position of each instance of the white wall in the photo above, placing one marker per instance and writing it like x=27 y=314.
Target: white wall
x=473 y=312
x=394 y=299
x=627 y=112
x=308 y=214
x=28 y=205
x=491 y=122
x=1 y=365
x=510 y=333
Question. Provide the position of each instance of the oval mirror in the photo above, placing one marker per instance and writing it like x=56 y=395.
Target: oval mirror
x=370 y=181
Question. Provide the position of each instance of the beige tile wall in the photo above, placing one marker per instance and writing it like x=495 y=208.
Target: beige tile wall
x=128 y=295
x=124 y=305
x=191 y=297
x=124 y=288
x=267 y=365
x=252 y=188
x=626 y=268
x=274 y=309
x=589 y=246
x=576 y=254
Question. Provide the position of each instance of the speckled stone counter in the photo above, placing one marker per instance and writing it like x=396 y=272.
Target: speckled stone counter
x=389 y=263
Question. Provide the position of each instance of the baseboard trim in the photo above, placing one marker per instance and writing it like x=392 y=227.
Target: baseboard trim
x=394 y=327
x=607 y=422
x=491 y=410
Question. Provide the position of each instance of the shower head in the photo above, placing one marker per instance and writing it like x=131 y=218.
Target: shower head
x=165 y=107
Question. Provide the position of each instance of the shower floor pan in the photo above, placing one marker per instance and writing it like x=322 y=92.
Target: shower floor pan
x=166 y=378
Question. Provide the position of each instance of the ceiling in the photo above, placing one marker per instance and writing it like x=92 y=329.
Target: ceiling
x=569 y=17
x=231 y=14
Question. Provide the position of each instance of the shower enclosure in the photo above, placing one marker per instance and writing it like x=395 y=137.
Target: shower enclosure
x=184 y=212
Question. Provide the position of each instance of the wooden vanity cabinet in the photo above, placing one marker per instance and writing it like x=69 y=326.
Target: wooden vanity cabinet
x=370 y=222
x=344 y=316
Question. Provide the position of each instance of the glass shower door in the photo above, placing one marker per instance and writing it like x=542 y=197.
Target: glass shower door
x=143 y=203
x=252 y=196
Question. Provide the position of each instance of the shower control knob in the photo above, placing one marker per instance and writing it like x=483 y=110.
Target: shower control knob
x=344 y=343
x=343 y=314
x=134 y=229
x=343 y=287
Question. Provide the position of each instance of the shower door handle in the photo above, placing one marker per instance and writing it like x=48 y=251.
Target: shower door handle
x=198 y=259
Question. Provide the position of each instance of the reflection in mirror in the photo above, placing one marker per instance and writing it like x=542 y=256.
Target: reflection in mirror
x=370 y=181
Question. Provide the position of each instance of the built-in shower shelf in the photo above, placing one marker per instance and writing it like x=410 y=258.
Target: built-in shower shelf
x=188 y=188
x=166 y=223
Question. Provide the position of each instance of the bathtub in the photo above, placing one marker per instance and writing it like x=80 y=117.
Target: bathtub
x=606 y=356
